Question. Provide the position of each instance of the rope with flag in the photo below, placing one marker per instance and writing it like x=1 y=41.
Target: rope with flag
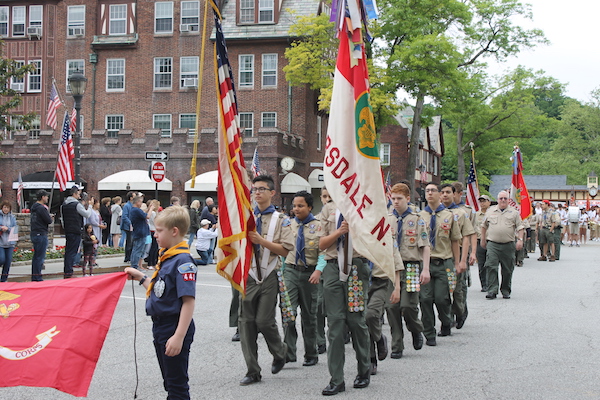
x=519 y=196
x=53 y=105
x=472 y=184
x=255 y=164
x=234 y=249
x=66 y=155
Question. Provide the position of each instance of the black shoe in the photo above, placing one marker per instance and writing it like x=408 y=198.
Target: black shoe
x=322 y=348
x=277 y=366
x=362 y=382
x=398 y=354
x=236 y=336
x=506 y=296
x=431 y=342
x=417 y=340
x=382 y=348
x=460 y=322
x=373 y=366
x=309 y=362
x=490 y=296
x=332 y=389
x=445 y=331
x=483 y=290
x=250 y=379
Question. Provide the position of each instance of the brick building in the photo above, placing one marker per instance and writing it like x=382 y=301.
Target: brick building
x=142 y=62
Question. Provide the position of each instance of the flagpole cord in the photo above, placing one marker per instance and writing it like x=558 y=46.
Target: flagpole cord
x=137 y=376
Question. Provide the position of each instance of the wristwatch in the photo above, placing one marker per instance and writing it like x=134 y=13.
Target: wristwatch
x=143 y=280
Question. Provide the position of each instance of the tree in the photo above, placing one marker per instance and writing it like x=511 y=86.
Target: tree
x=10 y=98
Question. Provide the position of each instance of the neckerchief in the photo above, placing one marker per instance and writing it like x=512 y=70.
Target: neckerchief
x=432 y=222
x=339 y=223
x=451 y=206
x=164 y=254
x=259 y=214
x=400 y=220
x=300 y=254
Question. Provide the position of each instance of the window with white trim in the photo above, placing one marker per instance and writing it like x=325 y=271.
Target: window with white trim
x=35 y=16
x=75 y=21
x=247 y=11
x=4 y=21
x=18 y=21
x=246 y=70
x=34 y=79
x=190 y=15
x=268 y=120
x=247 y=124
x=117 y=21
x=72 y=67
x=163 y=17
x=114 y=123
x=115 y=75
x=266 y=10
x=163 y=72
x=18 y=84
x=269 y=70
x=384 y=153
x=34 y=130
x=188 y=70
x=162 y=122
x=188 y=121
x=319 y=132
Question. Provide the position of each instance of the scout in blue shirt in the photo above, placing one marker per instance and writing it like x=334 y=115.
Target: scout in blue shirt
x=171 y=299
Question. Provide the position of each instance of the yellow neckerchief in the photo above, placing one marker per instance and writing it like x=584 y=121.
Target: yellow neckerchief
x=163 y=254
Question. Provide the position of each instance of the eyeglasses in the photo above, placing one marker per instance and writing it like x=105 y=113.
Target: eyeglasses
x=431 y=190
x=502 y=198
x=259 y=189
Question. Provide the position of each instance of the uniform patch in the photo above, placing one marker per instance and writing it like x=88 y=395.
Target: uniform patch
x=286 y=222
x=411 y=223
x=411 y=232
x=159 y=288
x=421 y=222
x=456 y=217
x=188 y=271
x=423 y=235
x=446 y=220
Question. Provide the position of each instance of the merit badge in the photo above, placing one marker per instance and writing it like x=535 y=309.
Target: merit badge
x=451 y=279
x=423 y=235
x=446 y=220
x=286 y=222
x=159 y=288
x=421 y=222
x=188 y=271
x=356 y=296
x=456 y=216
x=411 y=223
x=287 y=312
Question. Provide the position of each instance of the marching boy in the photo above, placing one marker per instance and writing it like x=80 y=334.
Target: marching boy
x=170 y=299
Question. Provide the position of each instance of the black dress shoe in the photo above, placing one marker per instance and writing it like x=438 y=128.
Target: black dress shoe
x=332 y=389
x=362 y=382
x=236 y=336
x=373 y=367
x=322 y=348
x=277 y=366
x=490 y=296
x=506 y=296
x=445 y=331
x=397 y=354
x=309 y=362
x=382 y=348
x=417 y=340
x=250 y=379
x=460 y=322
x=431 y=342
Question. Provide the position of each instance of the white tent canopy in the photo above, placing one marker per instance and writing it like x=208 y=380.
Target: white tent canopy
x=137 y=179
x=316 y=179
x=206 y=182
x=293 y=183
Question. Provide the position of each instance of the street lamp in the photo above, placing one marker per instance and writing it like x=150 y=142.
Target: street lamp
x=77 y=82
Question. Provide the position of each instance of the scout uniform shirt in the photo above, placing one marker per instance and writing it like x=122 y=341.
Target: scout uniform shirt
x=464 y=223
x=311 y=243
x=175 y=278
x=501 y=225
x=446 y=230
x=546 y=218
x=414 y=236
x=283 y=235
x=479 y=216
x=328 y=226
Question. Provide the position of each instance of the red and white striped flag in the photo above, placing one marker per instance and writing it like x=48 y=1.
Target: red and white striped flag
x=255 y=167
x=472 y=188
x=66 y=154
x=73 y=121
x=234 y=249
x=20 y=192
x=53 y=105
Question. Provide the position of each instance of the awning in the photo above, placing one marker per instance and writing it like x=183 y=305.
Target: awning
x=40 y=180
x=137 y=179
x=316 y=179
x=293 y=183
x=206 y=182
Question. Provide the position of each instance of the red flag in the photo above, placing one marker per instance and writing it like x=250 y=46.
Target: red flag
x=234 y=252
x=66 y=155
x=519 y=196
x=53 y=105
x=53 y=331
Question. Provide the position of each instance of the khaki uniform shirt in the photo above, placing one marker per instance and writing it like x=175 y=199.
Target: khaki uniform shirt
x=311 y=242
x=446 y=230
x=501 y=225
x=414 y=236
x=283 y=235
x=478 y=221
x=547 y=217
x=377 y=272
x=469 y=211
x=461 y=216
x=328 y=226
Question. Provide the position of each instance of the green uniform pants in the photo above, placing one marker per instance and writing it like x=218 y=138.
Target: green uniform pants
x=304 y=294
x=436 y=291
x=408 y=307
x=257 y=314
x=503 y=254
x=557 y=242
x=335 y=298
x=234 y=308
x=380 y=291
x=459 y=297
x=320 y=315
x=531 y=241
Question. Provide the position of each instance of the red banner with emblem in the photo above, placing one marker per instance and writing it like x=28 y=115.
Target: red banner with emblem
x=52 y=331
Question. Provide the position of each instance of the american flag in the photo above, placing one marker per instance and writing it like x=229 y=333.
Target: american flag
x=472 y=188
x=66 y=154
x=388 y=189
x=20 y=192
x=234 y=249
x=73 y=121
x=53 y=105
x=255 y=164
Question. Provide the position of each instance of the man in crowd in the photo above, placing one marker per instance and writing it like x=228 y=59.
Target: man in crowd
x=141 y=230
x=547 y=222
x=484 y=205
x=40 y=219
x=73 y=211
x=126 y=227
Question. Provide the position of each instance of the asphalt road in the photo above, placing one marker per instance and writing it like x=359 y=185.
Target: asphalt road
x=541 y=344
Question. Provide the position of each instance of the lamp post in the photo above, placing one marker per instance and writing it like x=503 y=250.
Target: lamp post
x=77 y=82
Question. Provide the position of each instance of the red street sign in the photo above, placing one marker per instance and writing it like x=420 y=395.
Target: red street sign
x=158 y=171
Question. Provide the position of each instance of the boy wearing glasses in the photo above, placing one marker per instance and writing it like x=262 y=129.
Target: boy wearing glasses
x=273 y=238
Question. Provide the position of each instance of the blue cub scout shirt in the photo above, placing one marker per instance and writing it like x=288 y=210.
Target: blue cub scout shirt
x=176 y=278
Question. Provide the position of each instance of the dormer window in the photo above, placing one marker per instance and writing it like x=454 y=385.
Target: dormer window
x=256 y=12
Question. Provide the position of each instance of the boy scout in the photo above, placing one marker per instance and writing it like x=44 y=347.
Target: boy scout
x=547 y=221
x=411 y=237
x=498 y=236
x=335 y=242
x=272 y=238
x=444 y=238
x=484 y=205
x=299 y=265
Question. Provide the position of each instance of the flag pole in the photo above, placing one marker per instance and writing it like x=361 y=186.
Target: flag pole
x=473 y=161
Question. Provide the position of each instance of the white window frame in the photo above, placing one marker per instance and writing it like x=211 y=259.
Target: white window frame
x=70 y=68
x=163 y=132
x=110 y=122
x=187 y=14
x=246 y=68
x=266 y=11
x=263 y=117
x=247 y=131
x=120 y=19
x=112 y=72
x=159 y=72
x=72 y=22
x=34 y=131
x=247 y=11
x=18 y=20
x=37 y=73
x=385 y=150
x=18 y=81
x=269 y=71
x=165 y=8
x=319 y=132
x=36 y=20
x=191 y=130
x=188 y=68
x=4 y=17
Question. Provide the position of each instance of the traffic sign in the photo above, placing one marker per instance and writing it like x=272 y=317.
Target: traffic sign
x=158 y=171
x=157 y=155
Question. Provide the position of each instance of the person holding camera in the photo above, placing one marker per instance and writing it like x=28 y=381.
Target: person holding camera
x=74 y=209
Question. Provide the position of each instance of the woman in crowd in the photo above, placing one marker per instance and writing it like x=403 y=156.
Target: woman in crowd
x=194 y=221
x=106 y=218
x=115 y=220
x=7 y=223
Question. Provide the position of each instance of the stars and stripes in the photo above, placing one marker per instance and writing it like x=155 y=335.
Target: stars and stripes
x=73 y=121
x=51 y=118
x=472 y=188
x=66 y=154
x=255 y=164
